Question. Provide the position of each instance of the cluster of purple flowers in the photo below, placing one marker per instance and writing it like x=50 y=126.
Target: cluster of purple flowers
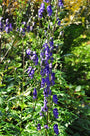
x=42 y=8
x=31 y=72
x=33 y=56
x=7 y=27
x=25 y=28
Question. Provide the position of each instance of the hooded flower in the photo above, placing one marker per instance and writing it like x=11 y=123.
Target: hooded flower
x=38 y=126
x=40 y=11
x=55 y=112
x=34 y=94
x=55 y=99
x=49 y=10
x=28 y=52
x=46 y=126
x=1 y=24
x=55 y=127
x=60 y=3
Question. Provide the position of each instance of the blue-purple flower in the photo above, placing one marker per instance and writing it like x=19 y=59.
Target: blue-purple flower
x=34 y=93
x=28 y=52
x=8 y=26
x=39 y=126
x=55 y=112
x=55 y=127
x=41 y=10
x=45 y=108
x=1 y=24
x=31 y=72
x=55 y=99
x=58 y=21
x=60 y=3
x=46 y=126
x=52 y=78
x=33 y=56
x=45 y=92
x=49 y=10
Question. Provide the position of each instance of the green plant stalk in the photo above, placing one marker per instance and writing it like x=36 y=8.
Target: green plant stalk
x=23 y=70
x=0 y=49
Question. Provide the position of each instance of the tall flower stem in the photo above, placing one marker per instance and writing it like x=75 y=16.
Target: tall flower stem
x=0 y=49
x=23 y=69
x=56 y=17
x=46 y=132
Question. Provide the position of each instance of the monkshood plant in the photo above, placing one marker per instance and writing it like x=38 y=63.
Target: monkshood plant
x=49 y=106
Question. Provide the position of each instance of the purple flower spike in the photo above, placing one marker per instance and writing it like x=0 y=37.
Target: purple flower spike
x=34 y=94
x=55 y=127
x=55 y=112
x=55 y=99
x=40 y=11
x=10 y=27
x=39 y=126
x=49 y=10
x=1 y=24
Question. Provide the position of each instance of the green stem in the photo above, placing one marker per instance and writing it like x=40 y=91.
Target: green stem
x=0 y=49
x=23 y=71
